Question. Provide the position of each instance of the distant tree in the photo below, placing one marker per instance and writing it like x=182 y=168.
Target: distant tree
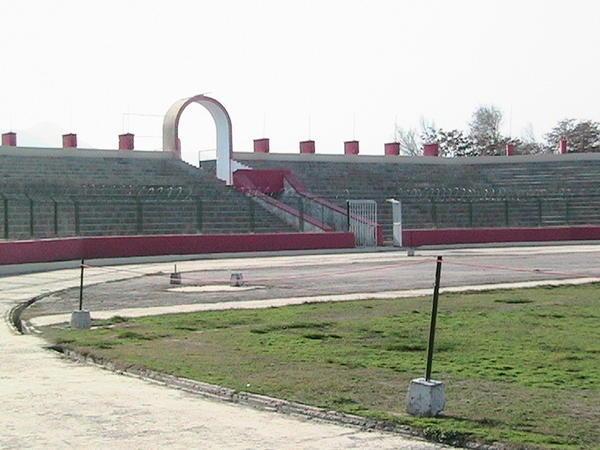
x=454 y=143
x=429 y=132
x=412 y=140
x=582 y=136
x=484 y=131
x=528 y=144
x=410 y=144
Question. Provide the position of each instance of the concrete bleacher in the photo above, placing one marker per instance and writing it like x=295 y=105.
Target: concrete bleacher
x=95 y=193
x=544 y=190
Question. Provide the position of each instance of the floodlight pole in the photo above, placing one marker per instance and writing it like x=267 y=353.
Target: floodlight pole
x=434 y=309
x=81 y=286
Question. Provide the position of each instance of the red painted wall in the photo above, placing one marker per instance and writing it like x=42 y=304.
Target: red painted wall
x=48 y=250
x=267 y=181
x=416 y=238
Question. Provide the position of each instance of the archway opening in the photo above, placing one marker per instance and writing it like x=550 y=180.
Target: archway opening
x=197 y=135
x=222 y=124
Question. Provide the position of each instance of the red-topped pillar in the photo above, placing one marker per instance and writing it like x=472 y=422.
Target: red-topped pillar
x=511 y=149
x=126 y=141
x=307 y=146
x=563 y=146
x=392 y=148
x=261 y=145
x=351 y=148
x=9 y=139
x=431 y=150
x=69 y=140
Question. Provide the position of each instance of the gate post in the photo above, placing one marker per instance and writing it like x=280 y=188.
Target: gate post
x=396 y=221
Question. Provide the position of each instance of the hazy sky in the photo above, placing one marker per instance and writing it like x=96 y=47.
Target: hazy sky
x=80 y=65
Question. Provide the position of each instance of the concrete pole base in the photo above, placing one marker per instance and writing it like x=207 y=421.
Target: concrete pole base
x=410 y=251
x=81 y=320
x=425 y=398
x=237 y=279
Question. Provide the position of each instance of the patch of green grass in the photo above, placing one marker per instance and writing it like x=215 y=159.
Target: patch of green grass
x=520 y=366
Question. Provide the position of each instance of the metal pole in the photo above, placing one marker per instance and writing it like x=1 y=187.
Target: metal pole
x=251 y=213
x=55 y=203
x=199 y=213
x=470 y=213
x=300 y=214
x=5 y=204
x=139 y=215
x=76 y=217
x=434 y=308
x=348 y=215
x=81 y=287
x=31 y=223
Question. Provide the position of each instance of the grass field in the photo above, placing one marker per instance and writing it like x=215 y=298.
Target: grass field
x=521 y=366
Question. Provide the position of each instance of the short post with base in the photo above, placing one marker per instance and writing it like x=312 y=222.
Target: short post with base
x=81 y=319
x=426 y=397
x=175 y=277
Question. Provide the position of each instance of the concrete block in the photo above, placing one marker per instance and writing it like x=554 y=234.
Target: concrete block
x=425 y=398
x=237 y=279
x=81 y=320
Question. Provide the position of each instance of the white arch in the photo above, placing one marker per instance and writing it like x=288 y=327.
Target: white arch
x=222 y=124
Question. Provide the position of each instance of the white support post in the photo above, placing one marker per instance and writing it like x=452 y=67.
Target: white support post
x=396 y=221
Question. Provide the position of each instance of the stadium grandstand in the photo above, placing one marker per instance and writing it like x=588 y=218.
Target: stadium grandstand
x=293 y=201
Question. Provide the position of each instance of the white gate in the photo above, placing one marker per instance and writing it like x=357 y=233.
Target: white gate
x=362 y=221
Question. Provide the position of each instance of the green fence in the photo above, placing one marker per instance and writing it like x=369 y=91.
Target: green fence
x=111 y=210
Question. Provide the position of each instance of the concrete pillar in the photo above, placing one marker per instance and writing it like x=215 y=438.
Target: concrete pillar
x=307 y=146
x=126 y=141
x=261 y=145
x=9 y=139
x=81 y=320
x=425 y=398
x=563 y=146
x=431 y=150
x=392 y=148
x=69 y=140
x=511 y=149
x=351 y=148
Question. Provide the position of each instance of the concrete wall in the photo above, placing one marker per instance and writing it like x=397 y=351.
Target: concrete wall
x=67 y=249
x=83 y=153
x=465 y=160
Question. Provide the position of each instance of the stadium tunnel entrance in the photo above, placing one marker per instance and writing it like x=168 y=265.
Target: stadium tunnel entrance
x=224 y=150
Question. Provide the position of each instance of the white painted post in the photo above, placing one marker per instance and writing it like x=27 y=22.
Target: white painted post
x=396 y=221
